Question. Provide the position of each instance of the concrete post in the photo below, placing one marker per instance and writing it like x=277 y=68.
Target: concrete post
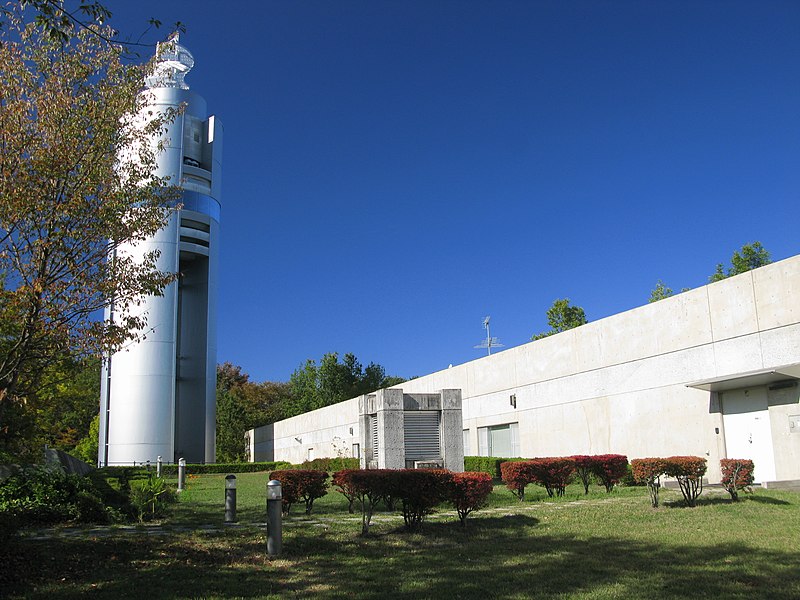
x=159 y=466
x=181 y=474
x=274 y=516
x=452 y=431
x=391 y=442
x=230 y=499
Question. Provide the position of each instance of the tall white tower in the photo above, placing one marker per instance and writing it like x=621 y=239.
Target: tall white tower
x=158 y=396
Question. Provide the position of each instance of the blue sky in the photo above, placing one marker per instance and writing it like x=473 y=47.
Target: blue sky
x=394 y=171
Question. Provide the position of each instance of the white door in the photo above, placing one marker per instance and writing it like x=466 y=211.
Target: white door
x=748 y=434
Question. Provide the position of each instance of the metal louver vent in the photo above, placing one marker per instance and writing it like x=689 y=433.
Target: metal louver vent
x=421 y=435
x=373 y=437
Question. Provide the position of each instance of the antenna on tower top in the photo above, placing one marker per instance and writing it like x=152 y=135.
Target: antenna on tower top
x=490 y=342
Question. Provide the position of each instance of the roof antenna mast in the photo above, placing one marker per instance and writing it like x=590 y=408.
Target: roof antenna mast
x=490 y=342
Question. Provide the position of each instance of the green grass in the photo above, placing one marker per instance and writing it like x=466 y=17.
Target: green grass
x=600 y=546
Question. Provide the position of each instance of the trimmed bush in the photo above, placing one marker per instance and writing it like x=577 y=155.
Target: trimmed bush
x=649 y=471
x=737 y=474
x=688 y=471
x=366 y=486
x=341 y=479
x=583 y=469
x=419 y=490
x=468 y=492
x=299 y=484
x=516 y=475
x=553 y=473
x=487 y=464
x=609 y=469
x=171 y=470
x=329 y=465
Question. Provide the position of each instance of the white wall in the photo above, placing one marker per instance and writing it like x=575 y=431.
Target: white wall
x=620 y=384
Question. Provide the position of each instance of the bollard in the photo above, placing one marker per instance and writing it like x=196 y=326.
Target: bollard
x=148 y=466
x=230 y=499
x=274 y=516
x=159 y=464
x=181 y=474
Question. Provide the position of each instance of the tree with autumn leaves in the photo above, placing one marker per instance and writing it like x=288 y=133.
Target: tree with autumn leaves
x=67 y=202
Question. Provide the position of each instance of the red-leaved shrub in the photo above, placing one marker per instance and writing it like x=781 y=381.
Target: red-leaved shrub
x=609 y=469
x=688 y=471
x=649 y=472
x=583 y=469
x=298 y=484
x=366 y=486
x=552 y=473
x=469 y=492
x=343 y=485
x=737 y=474
x=516 y=475
x=419 y=490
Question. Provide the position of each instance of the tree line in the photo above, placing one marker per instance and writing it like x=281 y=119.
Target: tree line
x=243 y=404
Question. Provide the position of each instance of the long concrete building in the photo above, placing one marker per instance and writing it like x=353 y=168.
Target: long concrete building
x=710 y=372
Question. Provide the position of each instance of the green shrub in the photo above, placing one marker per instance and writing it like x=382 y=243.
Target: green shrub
x=171 y=470
x=487 y=464
x=43 y=496
x=329 y=465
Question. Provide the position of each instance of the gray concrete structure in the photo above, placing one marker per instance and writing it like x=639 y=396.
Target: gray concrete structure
x=400 y=430
x=710 y=372
x=158 y=396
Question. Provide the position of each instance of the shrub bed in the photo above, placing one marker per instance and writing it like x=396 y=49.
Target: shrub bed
x=43 y=496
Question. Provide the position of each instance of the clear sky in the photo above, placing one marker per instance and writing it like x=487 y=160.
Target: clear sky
x=394 y=171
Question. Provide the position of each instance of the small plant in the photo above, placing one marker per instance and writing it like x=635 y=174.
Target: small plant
x=649 y=471
x=468 y=492
x=737 y=474
x=688 y=471
x=150 y=497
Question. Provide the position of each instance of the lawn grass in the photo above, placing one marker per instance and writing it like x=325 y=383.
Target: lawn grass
x=600 y=546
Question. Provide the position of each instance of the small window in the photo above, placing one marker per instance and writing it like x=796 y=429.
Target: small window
x=356 y=451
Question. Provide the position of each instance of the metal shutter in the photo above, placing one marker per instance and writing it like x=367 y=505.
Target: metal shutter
x=373 y=437
x=421 y=435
